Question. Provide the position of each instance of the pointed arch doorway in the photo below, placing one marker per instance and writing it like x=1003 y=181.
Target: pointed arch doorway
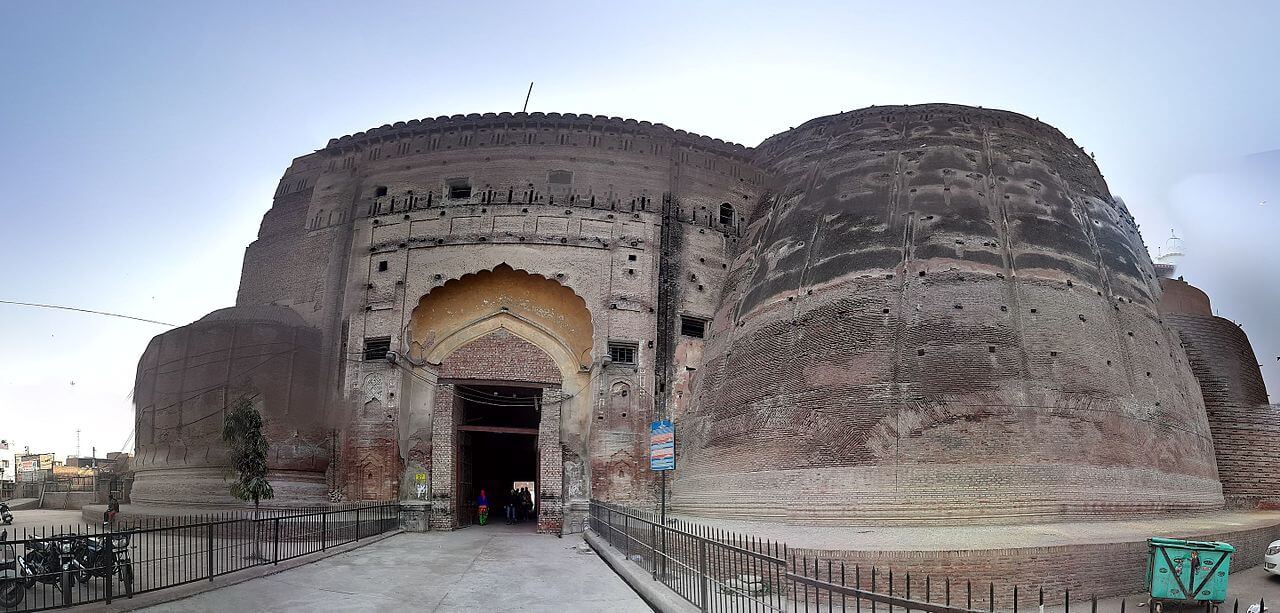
x=505 y=361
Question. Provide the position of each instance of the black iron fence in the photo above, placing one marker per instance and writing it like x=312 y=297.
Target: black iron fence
x=64 y=566
x=717 y=570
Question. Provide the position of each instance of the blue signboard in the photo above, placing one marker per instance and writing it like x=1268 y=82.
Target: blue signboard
x=662 y=445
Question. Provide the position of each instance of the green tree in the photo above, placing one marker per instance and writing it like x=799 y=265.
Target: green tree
x=242 y=432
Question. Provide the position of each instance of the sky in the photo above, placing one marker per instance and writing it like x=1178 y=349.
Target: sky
x=142 y=141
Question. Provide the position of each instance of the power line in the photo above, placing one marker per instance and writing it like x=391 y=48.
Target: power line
x=80 y=310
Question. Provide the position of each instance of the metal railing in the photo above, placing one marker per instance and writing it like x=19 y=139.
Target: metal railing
x=99 y=564
x=717 y=570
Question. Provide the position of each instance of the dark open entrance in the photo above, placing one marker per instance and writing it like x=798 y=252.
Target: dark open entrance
x=497 y=445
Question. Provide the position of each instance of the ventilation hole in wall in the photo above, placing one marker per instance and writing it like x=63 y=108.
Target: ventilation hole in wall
x=1131 y=334
x=702 y=260
x=631 y=257
x=1108 y=362
x=376 y=222
x=631 y=271
x=624 y=414
x=790 y=298
x=886 y=311
x=442 y=213
x=991 y=348
x=382 y=266
x=1148 y=373
x=439 y=241
x=920 y=352
x=1033 y=311
x=1003 y=308
x=563 y=241
x=368 y=286
x=1082 y=317
x=724 y=266
x=483 y=239
x=559 y=275
x=957 y=305
x=438 y=277
x=1053 y=354
x=406 y=217
x=889 y=276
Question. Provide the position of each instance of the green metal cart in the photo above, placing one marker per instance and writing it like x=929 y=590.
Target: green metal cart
x=1187 y=572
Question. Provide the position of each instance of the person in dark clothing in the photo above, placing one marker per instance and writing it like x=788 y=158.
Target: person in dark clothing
x=526 y=503
x=113 y=507
x=513 y=500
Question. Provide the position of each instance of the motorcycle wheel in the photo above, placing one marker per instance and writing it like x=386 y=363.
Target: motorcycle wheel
x=11 y=593
x=126 y=577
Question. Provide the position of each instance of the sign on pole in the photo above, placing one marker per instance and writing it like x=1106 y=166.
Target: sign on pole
x=662 y=445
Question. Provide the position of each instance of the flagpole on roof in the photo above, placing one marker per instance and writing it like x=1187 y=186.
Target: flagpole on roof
x=526 y=98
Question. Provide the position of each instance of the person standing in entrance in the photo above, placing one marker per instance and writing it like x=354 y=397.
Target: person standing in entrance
x=513 y=500
x=526 y=503
x=482 y=508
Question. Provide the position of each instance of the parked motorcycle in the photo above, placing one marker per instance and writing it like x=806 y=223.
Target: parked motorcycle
x=51 y=562
x=12 y=586
x=104 y=556
x=6 y=516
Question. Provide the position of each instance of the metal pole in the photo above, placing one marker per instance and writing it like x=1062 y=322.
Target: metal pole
x=664 y=498
x=275 y=549
x=526 y=98
x=324 y=528
x=702 y=572
x=209 y=546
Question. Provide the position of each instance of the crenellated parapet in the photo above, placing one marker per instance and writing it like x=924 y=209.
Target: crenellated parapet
x=498 y=123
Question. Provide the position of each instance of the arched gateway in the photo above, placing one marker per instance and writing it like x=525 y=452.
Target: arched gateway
x=499 y=361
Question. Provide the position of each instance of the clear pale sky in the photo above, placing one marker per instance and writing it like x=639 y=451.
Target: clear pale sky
x=142 y=141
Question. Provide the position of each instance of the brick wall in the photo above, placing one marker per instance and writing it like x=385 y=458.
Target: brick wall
x=941 y=313
x=1246 y=429
x=501 y=356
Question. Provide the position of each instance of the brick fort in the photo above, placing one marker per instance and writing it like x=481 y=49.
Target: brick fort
x=900 y=316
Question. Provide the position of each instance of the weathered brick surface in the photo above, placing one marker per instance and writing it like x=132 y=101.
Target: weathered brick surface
x=941 y=314
x=501 y=356
x=918 y=313
x=1246 y=428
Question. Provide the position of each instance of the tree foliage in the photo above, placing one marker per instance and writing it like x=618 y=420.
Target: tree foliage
x=242 y=432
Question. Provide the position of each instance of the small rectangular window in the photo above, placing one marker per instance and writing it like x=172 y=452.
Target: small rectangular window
x=382 y=266
x=622 y=353
x=694 y=327
x=377 y=348
x=459 y=189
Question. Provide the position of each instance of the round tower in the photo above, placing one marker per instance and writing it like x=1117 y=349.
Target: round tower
x=941 y=313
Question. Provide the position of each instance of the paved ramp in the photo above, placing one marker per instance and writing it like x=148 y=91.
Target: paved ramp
x=492 y=568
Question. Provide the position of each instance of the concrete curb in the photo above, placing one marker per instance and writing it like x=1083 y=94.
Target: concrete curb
x=653 y=592
x=180 y=592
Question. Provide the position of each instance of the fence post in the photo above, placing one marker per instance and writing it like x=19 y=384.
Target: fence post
x=109 y=581
x=357 y=523
x=653 y=550
x=209 y=546
x=702 y=574
x=275 y=554
x=324 y=524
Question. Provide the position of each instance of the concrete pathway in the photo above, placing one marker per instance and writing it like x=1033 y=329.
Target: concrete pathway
x=491 y=568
